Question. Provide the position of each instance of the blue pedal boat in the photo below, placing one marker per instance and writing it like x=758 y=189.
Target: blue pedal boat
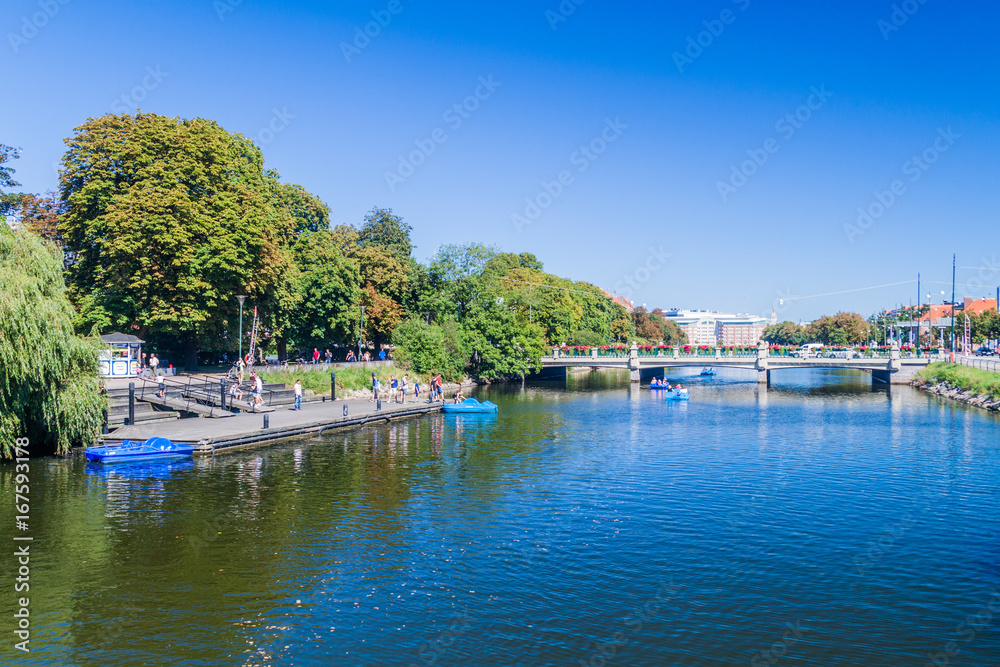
x=676 y=395
x=151 y=450
x=470 y=406
x=708 y=372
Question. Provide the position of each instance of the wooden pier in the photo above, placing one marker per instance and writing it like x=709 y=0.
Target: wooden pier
x=246 y=429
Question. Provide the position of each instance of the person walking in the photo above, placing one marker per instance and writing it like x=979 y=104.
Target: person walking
x=329 y=356
x=437 y=385
x=416 y=389
x=374 y=388
x=298 y=395
x=393 y=386
x=153 y=364
x=315 y=356
x=402 y=387
x=381 y=355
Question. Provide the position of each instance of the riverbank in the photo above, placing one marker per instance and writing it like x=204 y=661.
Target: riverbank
x=354 y=382
x=969 y=385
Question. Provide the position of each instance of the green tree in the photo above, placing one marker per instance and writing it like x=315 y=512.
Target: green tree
x=309 y=212
x=9 y=201
x=48 y=374
x=329 y=287
x=430 y=348
x=785 y=333
x=384 y=229
x=167 y=220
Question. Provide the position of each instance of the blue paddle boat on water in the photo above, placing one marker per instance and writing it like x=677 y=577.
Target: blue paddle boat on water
x=707 y=372
x=659 y=384
x=470 y=406
x=677 y=394
x=152 y=450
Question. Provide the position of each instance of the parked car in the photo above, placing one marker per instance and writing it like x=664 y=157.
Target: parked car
x=985 y=352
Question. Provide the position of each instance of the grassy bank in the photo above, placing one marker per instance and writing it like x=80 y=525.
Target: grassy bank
x=318 y=380
x=974 y=380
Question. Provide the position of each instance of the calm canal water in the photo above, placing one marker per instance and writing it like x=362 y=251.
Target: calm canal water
x=589 y=523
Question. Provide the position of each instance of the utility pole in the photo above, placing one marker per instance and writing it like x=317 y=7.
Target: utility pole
x=241 y=298
x=953 y=308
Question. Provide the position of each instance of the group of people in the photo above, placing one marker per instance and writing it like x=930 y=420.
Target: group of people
x=664 y=383
x=327 y=356
x=256 y=389
x=400 y=387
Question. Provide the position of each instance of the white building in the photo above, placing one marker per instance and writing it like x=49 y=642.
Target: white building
x=709 y=327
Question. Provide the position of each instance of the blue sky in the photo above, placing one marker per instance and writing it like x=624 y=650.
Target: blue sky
x=641 y=210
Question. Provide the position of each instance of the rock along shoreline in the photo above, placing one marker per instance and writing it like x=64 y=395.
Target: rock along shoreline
x=948 y=391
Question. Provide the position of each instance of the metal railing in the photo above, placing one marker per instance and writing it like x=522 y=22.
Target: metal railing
x=979 y=362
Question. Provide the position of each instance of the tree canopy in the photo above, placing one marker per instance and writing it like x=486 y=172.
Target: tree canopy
x=167 y=220
x=48 y=374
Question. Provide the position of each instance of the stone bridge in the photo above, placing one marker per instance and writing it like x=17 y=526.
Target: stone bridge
x=891 y=368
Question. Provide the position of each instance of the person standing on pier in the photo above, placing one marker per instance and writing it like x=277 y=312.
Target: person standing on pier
x=393 y=386
x=374 y=388
x=298 y=395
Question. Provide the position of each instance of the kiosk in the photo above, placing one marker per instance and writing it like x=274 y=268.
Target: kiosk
x=121 y=357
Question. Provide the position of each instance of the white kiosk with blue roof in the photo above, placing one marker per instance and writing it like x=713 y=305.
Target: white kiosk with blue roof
x=121 y=356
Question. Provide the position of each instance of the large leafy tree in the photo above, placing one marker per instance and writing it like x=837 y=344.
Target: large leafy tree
x=309 y=212
x=168 y=219
x=329 y=286
x=386 y=230
x=48 y=374
x=785 y=333
x=40 y=215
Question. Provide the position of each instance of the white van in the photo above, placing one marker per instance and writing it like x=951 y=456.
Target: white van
x=809 y=351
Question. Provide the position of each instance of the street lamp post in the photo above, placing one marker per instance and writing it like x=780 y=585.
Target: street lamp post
x=241 y=298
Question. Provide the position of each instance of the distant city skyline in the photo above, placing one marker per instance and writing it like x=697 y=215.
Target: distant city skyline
x=734 y=156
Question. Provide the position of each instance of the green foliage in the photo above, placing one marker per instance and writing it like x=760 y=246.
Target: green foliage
x=9 y=201
x=309 y=212
x=974 y=380
x=499 y=343
x=430 y=348
x=169 y=219
x=328 y=286
x=985 y=326
x=586 y=337
x=785 y=333
x=387 y=231
x=841 y=329
x=48 y=375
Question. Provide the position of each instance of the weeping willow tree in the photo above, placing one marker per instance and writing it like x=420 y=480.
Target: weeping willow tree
x=49 y=386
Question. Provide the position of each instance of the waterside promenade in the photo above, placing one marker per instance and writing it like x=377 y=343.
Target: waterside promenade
x=247 y=428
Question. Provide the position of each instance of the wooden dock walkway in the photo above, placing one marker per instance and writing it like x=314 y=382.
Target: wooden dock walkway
x=246 y=429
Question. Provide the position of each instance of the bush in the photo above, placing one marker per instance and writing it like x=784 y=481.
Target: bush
x=430 y=348
x=974 y=380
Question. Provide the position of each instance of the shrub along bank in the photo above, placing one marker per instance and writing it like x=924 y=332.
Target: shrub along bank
x=971 y=385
